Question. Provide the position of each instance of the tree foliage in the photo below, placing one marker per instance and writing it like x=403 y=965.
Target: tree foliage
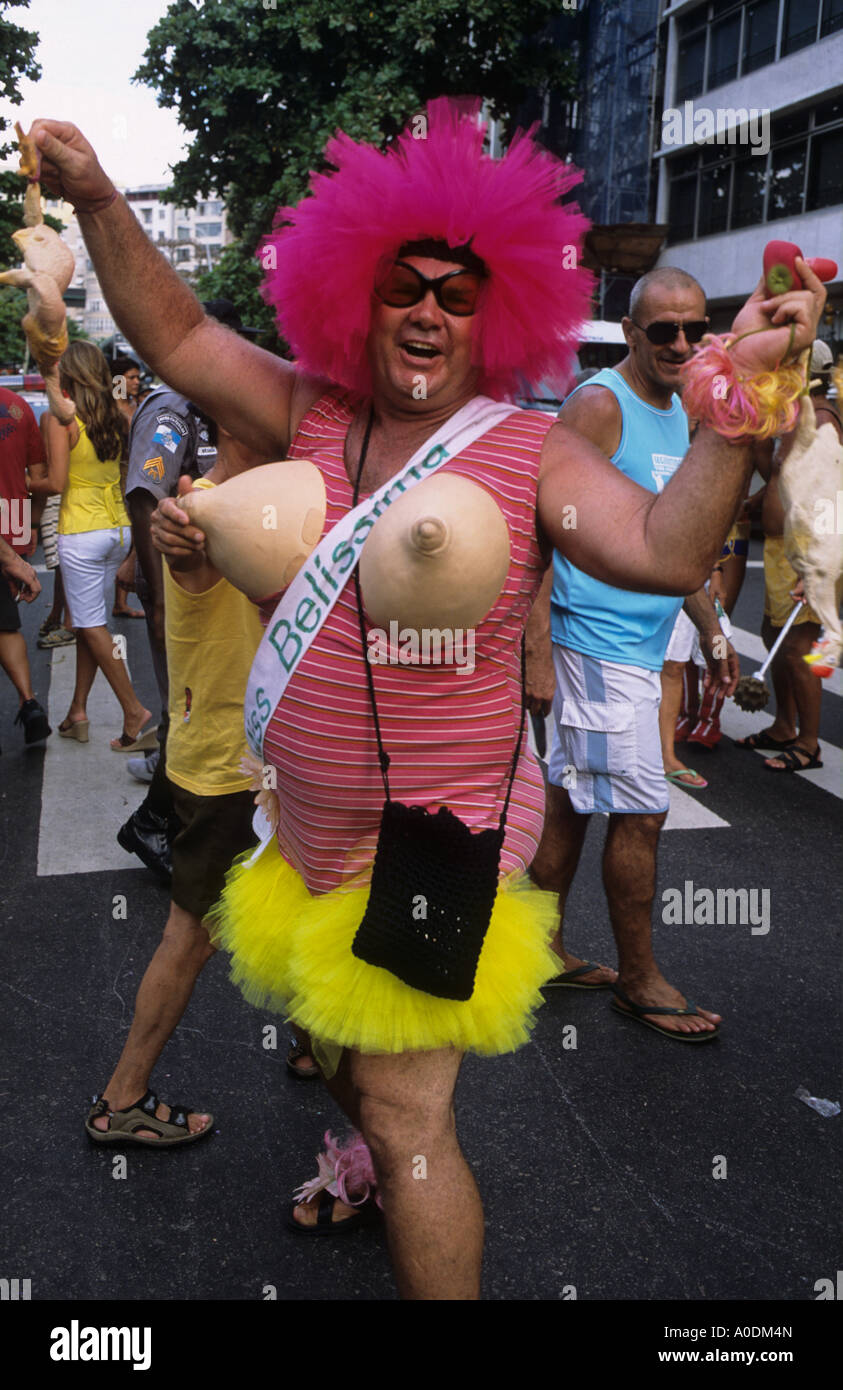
x=12 y=341
x=262 y=84
x=17 y=60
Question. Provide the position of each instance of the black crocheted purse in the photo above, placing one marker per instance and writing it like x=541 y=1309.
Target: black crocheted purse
x=434 y=880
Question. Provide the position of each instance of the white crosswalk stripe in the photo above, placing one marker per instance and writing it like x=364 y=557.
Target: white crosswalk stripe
x=87 y=791
x=737 y=723
x=93 y=777
x=687 y=811
x=749 y=644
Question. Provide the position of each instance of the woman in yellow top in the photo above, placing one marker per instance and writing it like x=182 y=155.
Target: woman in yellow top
x=94 y=536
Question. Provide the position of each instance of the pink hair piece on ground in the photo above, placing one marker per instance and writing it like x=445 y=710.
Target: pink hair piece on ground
x=442 y=186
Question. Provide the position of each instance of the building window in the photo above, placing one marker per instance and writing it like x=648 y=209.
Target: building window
x=750 y=183
x=683 y=197
x=691 y=70
x=721 y=187
x=800 y=24
x=183 y=233
x=724 y=47
x=759 y=40
x=825 y=174
x=725 y=39
x=715 y=185
x=832 y=19
x=183 y=253
x=208 y=229
x=787 y=181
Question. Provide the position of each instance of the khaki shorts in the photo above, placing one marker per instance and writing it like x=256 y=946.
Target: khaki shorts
x=779 y=578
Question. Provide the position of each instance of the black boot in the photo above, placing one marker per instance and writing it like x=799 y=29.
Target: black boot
x=148 y=836
x=34 y=721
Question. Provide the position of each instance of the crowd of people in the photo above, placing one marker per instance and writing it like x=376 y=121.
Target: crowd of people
x=401 y=897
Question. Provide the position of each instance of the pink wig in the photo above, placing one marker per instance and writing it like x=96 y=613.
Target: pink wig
x=440 y=187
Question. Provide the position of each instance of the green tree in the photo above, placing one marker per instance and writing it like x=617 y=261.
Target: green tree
x=12 y=341
x=261 y=86
x=17 y=60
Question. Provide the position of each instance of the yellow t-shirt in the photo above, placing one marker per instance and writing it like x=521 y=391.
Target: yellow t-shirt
x=211 y=641
x=92 y=499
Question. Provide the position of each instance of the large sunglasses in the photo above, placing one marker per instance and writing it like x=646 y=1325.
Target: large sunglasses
x=457 y=292
x=660 y=333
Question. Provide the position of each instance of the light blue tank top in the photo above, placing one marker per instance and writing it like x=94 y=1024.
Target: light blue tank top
x=597 y=619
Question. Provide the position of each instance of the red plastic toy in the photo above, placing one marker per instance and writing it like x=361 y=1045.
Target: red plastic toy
x=780 y=267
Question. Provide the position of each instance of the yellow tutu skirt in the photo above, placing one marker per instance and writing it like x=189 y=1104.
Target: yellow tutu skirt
x=291 y=952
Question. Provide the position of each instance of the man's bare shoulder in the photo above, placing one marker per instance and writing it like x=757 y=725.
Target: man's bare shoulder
x=595 y=412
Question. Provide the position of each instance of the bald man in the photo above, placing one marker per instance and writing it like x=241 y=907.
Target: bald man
x=607 y=648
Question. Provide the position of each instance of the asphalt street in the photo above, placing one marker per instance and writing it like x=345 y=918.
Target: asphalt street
x=626 y=1167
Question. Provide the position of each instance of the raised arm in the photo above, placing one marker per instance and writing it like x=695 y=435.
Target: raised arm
x=58 y=441
x=667 y=543
x=246 y=389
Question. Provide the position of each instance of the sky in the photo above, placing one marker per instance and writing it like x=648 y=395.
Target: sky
x=88 y=51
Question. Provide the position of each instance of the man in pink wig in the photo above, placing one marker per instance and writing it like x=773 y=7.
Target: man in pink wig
x=407 y=284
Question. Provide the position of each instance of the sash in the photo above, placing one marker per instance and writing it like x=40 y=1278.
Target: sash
x=308 y=600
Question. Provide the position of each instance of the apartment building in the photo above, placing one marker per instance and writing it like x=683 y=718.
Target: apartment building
x=763 y=176
x=191 y=238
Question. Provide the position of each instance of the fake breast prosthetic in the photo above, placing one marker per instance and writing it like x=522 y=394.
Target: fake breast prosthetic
x=261 y=526
x=810 y=481
x=437 y=558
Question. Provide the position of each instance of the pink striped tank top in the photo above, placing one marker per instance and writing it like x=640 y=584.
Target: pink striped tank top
x=450 y=735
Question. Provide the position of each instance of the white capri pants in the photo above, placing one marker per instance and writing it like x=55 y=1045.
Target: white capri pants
x=89 y=563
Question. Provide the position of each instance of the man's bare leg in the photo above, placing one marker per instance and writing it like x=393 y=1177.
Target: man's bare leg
x=672 y=676
x=804 y=687
x=434 y=1223
x=555 y=864
x=161 y=1000
x=403 y=1106
x=784 y=726
x=15 y=663
x=629 y=876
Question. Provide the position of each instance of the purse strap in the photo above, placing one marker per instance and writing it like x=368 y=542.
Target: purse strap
x=383 y=756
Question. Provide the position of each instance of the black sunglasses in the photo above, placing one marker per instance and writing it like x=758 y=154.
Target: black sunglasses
x=457 y=292
x=661 y=333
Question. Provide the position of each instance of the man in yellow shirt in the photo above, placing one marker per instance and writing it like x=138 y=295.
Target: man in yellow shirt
x=212 y=633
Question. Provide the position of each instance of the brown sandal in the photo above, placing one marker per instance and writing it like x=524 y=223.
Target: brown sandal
x=123 y=1125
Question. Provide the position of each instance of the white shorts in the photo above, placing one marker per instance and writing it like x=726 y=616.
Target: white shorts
x=684 y=641
x=89 y=562
x=609 y=753
x=684 y=644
